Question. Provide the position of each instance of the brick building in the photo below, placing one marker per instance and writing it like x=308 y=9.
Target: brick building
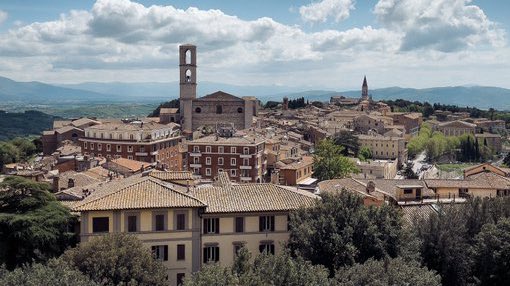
x=142 y=141
x=241 y=156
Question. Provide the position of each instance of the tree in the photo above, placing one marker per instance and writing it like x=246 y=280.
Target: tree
x=395 y=272
x=444 y=244
x=492 y=253
x=212 y=274
x=365 y=153
x=115 y=259
x=506 y=160
x=329 y=162
x=55 y=273
x=271 y=104
x=34 y=226
x=348 y=141
x=174 y=103
x=339 y=230
x=8 y=153
x=409 y=172
x=266 y=269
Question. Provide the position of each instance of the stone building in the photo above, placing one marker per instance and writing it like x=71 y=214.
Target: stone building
x=456 y=128
x=384 y=147
x=210 y=110
x=137 y=140
x=241 y=156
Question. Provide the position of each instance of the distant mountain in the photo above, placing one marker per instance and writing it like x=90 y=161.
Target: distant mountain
x=478 y=96
x=151 y=93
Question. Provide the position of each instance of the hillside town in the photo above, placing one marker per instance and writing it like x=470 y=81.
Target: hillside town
x=224 y=172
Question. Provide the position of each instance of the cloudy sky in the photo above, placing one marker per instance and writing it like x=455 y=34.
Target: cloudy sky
x=315 y=44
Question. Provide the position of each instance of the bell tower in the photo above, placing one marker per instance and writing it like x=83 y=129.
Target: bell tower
x=364 y=89
x=188 y=84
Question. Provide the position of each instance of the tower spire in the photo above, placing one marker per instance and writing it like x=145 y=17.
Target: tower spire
x=364 y=89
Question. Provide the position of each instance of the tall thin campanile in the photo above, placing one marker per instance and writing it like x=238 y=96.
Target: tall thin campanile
x=188 y=83
x=364 y=89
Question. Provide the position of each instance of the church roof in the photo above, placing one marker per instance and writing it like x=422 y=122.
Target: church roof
x=220 y=96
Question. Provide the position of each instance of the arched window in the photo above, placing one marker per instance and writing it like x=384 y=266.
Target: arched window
x=219 y=109
x=198 y=110
x=188 y=75
x=240 y=110
x=188 y=57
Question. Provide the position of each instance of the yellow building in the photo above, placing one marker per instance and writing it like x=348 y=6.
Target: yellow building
x=188 y=226
x=385 y=147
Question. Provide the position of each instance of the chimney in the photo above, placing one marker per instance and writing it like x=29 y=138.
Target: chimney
x=55 y=183
x=370 y=187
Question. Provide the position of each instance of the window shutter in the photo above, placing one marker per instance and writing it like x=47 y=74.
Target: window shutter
x=272 y=223
x=217 y=220
x=261 y=223
x=217 y=258
x=205 y=254
x=262 y=248
x=205 y=225
x=165 y=257
x=272 y=248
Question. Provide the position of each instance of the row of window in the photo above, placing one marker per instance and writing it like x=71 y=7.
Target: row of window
x=120 y=136
x=159 y=222
x=212 y=225
x=233 y=172
x=221 y=161
x=233 y=150
x=219 y=109
x=160 y=252
x=211 y=253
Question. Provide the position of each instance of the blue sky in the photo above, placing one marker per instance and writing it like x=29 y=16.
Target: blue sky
x=315 y=44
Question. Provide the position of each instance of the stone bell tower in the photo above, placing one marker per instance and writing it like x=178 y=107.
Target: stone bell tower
x=188 y=84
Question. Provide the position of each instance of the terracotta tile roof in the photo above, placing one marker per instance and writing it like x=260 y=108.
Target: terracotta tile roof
x=142 y=193
x=80 y=179
x=455 y=183
x=172 y=175
x=83 y=121
x=235 y=140
x=495 y=181
x=219 y=96
x=349 y=184
x=414 y=213
x=169 y=110
x=251 y=197
x=304 y=161
x=132 y=165
x=390 y=185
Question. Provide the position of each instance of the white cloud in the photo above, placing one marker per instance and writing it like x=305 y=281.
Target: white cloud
x=443 y=25
x=119 y=40
x=322 y=10
x=3 y=16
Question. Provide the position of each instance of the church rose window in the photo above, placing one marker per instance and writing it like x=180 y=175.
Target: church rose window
x=240 y=110
x=198 y=110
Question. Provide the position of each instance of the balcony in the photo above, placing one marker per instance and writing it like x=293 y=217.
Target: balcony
x=154 y=153
x=245 y=156
x=195 y=154
x=245 y=167
x=195 y=165
x=245 y=178
x=141 y=154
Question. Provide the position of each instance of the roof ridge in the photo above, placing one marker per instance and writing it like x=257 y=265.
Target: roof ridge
x=161 y=183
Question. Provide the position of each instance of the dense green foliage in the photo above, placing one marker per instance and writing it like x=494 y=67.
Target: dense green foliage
x=115 y=259
x=348 y=141
x=365 y=153
x=409 y=172
x=272 y=104
x=340 y=231
x=468 y=243
x=428 y=109
x=506 y=160
x=278 y=270
x=329 y=162
x=55 y=273
x=390 y=271
x=18 y=150
x=174 y=103
x=437 y=146
x=34 y=226
x=23 y=124
x=297 y=103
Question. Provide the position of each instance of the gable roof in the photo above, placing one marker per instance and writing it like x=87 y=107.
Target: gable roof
x=219 y=96
x=138 y=193
x=224 y=197
x=172 y=175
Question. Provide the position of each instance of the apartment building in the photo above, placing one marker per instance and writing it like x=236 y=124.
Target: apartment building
x=186 y=228
x=241 y=156
x=136 y=140
x=385 y=147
